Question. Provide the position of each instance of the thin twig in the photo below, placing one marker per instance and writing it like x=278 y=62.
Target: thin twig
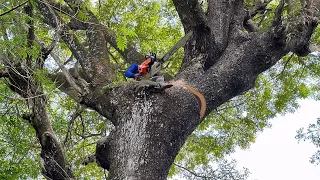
x=66 y=13
x=193 y=173
x=14 y=8
x=83 y=136
x=285 y=65
x=233 y=106
x=74 y=116
x=16 y=98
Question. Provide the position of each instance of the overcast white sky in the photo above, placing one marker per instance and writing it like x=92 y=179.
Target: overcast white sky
x=276 y=154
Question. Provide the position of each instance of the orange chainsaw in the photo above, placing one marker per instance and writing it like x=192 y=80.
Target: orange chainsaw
x=153 y=65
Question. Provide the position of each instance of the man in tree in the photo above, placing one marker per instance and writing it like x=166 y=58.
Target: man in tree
x=136 y=71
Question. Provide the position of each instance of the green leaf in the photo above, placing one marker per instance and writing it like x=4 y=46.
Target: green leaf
x=121 y=42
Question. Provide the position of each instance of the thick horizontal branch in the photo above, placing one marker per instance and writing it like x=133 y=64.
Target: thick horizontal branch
x=81 y=87
x=236 y=70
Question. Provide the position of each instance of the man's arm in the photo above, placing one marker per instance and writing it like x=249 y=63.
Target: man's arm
x=131 y=71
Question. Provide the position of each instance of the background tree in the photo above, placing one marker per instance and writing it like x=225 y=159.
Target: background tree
x=61 y=58
x=312 y=134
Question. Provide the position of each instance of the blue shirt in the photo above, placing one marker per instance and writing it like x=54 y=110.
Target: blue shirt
x=131 y=71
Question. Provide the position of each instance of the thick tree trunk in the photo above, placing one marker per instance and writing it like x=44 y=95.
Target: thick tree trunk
x=150 y=129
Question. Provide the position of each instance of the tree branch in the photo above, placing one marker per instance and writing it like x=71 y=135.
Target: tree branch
x=30 y=35
x=74 y=116
x=278 y=14
x=300 y=31
x=52 y=154
x=67 y=35
x=190 y=13
x=80 y=86
x=14 y=8
x=94 y=31
x=74 y=4
x=75 y=23
x=89 y=159
x=94 y=60
x=258 y=8
x=193 y=173
x=222 y=14
x=62 y=8
x=45 y=51
x=83 y=136
x=130 y=54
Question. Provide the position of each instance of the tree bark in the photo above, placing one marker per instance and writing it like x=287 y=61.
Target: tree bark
x=221 y=60
x=148 y=131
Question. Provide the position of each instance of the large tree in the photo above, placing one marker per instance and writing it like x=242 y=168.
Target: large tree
x=233 y=42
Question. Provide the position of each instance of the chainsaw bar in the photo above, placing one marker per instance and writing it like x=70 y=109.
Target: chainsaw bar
x=156 y=67
x=176 y=46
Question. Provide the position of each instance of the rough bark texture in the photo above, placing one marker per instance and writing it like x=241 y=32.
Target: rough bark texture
x=149 y=132
x=222 y=60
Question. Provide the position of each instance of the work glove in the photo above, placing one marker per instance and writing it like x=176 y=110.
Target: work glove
x=137 y=77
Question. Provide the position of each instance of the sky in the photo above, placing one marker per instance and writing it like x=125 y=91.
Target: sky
x=276 y=154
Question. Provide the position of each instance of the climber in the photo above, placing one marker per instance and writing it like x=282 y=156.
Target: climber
x=152 y=66
x=137 y=71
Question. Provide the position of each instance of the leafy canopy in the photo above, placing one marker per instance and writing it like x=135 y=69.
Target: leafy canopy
x=148 y=26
